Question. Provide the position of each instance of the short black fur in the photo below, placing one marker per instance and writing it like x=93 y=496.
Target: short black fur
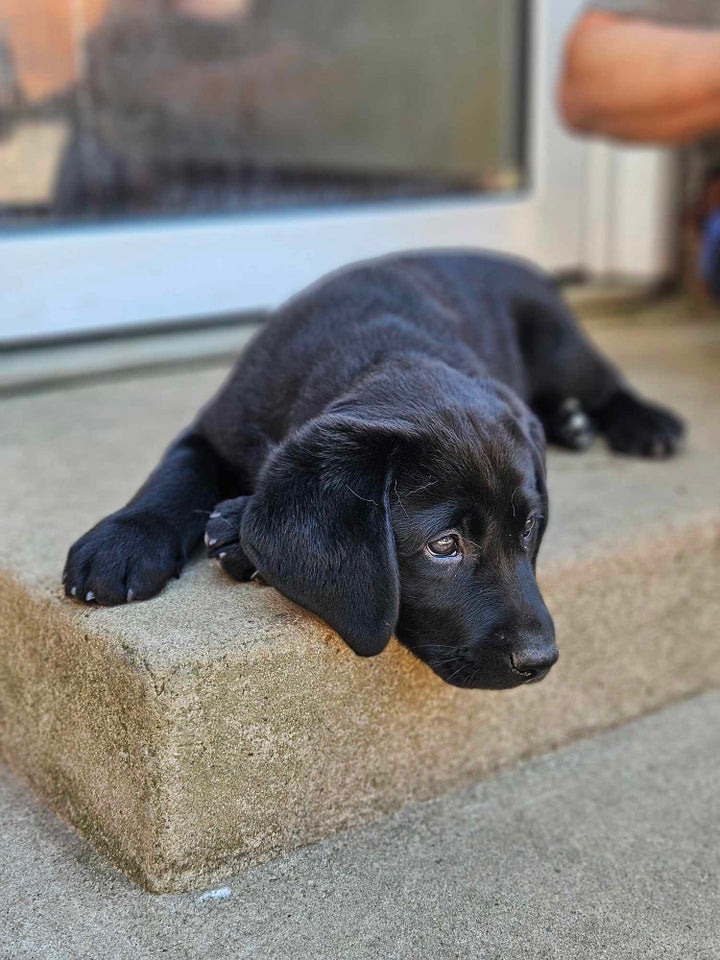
x=378 y=455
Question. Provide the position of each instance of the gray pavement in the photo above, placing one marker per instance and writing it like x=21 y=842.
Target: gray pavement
x=606 y=849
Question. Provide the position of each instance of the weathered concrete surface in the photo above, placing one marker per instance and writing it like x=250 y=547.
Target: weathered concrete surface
x=606 y=850
x=219 y=725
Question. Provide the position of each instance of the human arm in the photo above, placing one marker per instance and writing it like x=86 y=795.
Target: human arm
x=641 y=81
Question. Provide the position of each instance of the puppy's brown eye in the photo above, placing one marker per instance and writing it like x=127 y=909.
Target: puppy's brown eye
x=528 y=531
x=446 y=546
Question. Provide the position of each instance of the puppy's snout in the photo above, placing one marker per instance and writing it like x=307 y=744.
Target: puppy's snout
x=533 y=662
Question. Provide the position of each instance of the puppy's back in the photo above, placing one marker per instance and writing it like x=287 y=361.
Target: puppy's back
x=456 y=306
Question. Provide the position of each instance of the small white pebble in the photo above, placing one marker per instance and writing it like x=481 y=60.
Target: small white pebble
x=222 y=893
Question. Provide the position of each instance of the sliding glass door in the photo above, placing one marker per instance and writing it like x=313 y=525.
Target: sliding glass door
x=165 y=160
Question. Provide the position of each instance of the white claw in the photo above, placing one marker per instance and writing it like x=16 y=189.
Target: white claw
x=73 y=591
x=207 y=540
x=89 y=596
x=221 y=556
x=211 y=543
x=130 y=596
x=216 y=515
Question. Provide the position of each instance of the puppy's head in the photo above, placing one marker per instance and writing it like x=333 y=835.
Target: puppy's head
x=422 y=519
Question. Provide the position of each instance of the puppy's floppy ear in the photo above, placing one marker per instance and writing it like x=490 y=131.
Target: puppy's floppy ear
x=318 y=527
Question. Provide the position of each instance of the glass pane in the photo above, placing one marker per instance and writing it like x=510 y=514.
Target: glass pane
x=115 y=108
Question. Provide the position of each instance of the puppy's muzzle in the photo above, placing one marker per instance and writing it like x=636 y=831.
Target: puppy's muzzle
x=532 y=662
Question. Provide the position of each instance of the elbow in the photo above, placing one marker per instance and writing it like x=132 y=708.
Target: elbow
x=579 y=95
x=574 y=106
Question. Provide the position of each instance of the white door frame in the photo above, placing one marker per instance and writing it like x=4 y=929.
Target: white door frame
x=632 y=212
x=90 y=279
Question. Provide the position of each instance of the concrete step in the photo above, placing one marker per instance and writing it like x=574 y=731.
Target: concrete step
x=606 y=849
x=219 y=725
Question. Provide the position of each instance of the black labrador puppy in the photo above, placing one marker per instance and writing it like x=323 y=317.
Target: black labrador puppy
x=379 y=451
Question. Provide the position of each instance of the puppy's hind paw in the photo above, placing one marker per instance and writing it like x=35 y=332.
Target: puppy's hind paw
x=573 y=428
x=222 y=539
x=566 y=424
x=641 y=429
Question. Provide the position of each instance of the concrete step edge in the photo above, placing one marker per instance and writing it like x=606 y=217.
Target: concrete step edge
x=144 y=845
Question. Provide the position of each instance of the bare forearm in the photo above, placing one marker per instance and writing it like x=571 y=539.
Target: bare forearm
x=639 y=81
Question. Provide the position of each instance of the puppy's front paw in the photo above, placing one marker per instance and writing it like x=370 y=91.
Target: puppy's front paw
x=127 y=556
x=222 y=538
x=641 y=429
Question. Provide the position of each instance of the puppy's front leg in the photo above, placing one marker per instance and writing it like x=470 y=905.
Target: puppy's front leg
x=222 y=539
x=131 y=554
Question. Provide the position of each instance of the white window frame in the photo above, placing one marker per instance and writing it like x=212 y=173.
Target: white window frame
x=586 y=207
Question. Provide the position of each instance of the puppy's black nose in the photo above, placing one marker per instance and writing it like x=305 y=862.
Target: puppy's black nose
x=533 y=663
